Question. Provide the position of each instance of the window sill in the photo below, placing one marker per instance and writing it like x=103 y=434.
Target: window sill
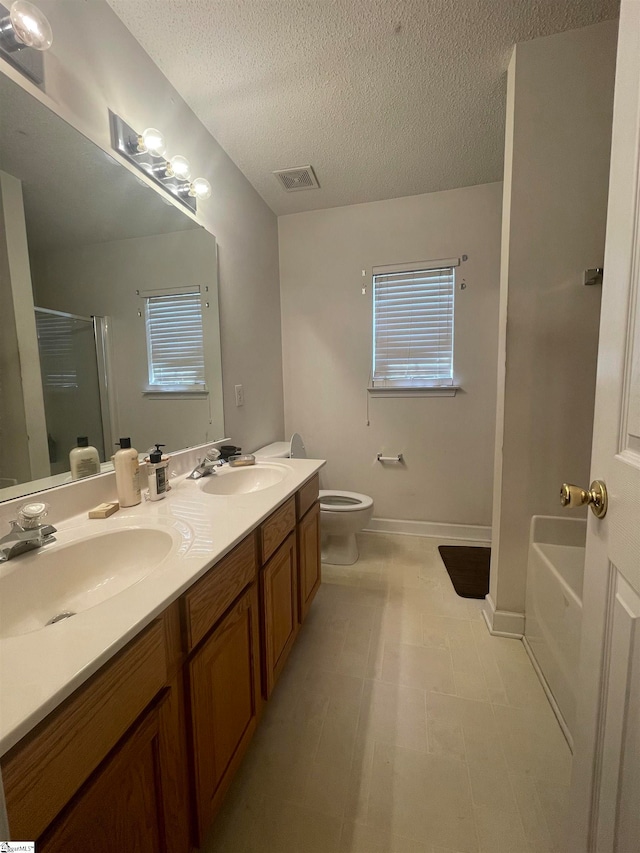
x=430 y=391
x=175 y=392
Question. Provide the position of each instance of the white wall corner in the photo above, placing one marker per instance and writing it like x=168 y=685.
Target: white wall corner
x=439 y=530
x=502 y=623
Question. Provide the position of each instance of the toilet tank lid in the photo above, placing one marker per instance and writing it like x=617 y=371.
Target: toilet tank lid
x=275 y=450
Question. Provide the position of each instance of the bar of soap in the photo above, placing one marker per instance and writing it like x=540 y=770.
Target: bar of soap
x=104 y=510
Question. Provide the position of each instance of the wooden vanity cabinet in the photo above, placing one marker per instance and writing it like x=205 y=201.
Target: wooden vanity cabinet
x=140 y=757
x=122 y=807
x=308 y=559
x=278 y=592
x=279 y=604
x=107 y=769
x=224 y=680
x=309 y=566
x=221 y=626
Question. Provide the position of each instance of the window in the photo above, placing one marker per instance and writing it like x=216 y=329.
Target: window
x=175 y=345
x=413 y=325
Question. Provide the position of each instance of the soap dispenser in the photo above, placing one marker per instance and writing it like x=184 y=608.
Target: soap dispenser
x=127 y=469
x=157 y=465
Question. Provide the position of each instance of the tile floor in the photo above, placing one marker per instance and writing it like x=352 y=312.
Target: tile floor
x=400 y=725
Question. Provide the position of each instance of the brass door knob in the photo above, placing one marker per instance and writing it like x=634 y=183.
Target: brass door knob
x=595 y=496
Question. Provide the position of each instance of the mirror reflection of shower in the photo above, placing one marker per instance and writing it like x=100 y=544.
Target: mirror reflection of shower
x=73 y=363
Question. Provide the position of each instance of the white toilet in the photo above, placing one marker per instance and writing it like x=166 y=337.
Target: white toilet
x=342 y=514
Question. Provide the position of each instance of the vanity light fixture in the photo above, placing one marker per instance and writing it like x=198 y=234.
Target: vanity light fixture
x=150 y=141
x=200 y=189
x=147 y=152
x=179 y=167
x=25 y=26
x=25 y=33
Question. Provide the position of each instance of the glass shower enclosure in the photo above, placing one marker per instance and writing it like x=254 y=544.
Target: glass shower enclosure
x=74 y=367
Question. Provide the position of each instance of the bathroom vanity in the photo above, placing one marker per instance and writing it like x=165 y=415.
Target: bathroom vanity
x=132 y=742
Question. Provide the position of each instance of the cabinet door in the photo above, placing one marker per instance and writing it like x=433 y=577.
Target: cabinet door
x=45 y=770
x=121 y=807
x=224 y=678
x=309 y=558
x=279 y=587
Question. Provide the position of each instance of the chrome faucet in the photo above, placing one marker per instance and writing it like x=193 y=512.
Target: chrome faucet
x=27 y=532
x=207 y=465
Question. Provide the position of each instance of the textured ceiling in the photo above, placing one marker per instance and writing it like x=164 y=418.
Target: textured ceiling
x=384 y=98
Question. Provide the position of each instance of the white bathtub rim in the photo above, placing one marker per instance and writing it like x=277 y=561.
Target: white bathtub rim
x=564 y=523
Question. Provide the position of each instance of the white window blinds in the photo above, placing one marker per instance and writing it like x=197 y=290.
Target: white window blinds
x=55 y=343
x=174 y=340
x=413 y=328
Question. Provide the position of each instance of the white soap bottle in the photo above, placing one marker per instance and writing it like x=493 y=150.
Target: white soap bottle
x=83 y=459
x=127 y=469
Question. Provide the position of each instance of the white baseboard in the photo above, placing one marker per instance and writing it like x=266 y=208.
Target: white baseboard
x=545 y=686
x=436 y=529
x=502 y=623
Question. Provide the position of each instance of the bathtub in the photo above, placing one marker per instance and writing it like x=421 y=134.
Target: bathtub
x=553 y=609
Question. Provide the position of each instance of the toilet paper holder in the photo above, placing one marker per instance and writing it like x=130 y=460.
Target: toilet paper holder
x=398 y=458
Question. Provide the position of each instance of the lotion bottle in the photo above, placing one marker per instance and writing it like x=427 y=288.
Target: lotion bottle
x=157 y=470
x=127 y=469
x=83 y=459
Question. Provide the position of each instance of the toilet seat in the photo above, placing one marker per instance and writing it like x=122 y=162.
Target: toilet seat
x=342 y=514
x=332 y=500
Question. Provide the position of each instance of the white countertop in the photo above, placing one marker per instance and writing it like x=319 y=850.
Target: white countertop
x=38 y=670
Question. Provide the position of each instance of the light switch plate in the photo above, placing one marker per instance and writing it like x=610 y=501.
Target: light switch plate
x=239 y=395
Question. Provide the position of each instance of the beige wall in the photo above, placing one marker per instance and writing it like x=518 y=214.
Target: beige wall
x=96 y=64
x=559 y=117
x=326 y=321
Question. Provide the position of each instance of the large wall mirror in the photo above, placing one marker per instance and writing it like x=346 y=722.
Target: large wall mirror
x=85 y=248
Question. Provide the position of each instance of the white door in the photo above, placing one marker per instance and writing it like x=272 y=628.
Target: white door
x=604 y=812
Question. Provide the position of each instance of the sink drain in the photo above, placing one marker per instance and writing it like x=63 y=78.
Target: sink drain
x=64 y=615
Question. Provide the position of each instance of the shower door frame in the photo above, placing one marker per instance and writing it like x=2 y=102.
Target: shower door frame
x=100 y=327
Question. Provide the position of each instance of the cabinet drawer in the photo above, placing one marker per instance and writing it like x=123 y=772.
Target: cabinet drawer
x=44 y=770
x=307 y=496
x=276 y=529
x=205 y=602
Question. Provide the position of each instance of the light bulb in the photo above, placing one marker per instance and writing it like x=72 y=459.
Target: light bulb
x=179 y=167
x=152 y=140
x=200 y=188
x=30 y=27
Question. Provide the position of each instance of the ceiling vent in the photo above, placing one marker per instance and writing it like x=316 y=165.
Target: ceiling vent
x=299 y=178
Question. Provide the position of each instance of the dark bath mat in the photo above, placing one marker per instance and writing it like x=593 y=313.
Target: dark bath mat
x=468 y=569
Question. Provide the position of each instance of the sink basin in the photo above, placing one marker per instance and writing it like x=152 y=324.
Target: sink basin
x=243 y=481
x=66 y=577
